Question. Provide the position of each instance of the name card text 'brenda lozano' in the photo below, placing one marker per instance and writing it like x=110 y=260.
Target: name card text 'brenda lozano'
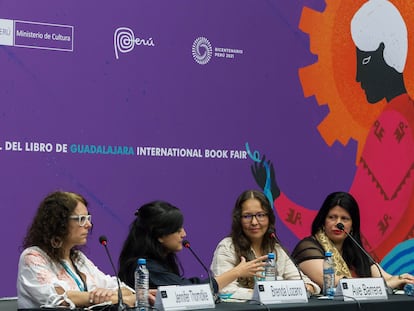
x=280 y=291
x=283 y=290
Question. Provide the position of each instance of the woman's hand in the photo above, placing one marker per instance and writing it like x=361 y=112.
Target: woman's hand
x=100 y=295
x=243 y=269
x=398 y=281
x=151 y=296
x=129 y=300
x=251 y=268
x=310 y=289
x=130 y=297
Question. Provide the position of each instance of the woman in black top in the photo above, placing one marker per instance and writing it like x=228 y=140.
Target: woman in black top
x=157 y=234
x=350 y=260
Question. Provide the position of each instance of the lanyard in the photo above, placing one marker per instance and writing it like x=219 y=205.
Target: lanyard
x=74 y=276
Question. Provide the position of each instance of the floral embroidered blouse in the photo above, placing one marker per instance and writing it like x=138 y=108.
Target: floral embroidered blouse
x=38 y=276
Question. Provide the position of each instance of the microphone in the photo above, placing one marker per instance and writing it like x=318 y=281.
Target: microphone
x=104 y=241
x=186 y=244
x=273 y=235
x=341 y=227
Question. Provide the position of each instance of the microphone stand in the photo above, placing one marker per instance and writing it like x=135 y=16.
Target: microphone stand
x=341 y=227
x=186 y=244
x=121 y=305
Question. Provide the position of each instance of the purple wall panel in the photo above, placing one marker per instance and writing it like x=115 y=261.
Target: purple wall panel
x=158 y=96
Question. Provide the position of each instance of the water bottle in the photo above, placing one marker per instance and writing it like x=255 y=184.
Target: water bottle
x=142 y=285
x=409 y=289
x=328 y=276
x=270 y=268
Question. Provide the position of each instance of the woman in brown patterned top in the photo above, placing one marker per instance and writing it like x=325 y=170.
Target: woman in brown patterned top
x=350 y=260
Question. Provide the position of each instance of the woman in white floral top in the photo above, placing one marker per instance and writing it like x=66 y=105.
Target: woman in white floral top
x=52 y=269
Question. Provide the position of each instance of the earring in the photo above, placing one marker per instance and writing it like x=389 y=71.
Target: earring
x=56 y=242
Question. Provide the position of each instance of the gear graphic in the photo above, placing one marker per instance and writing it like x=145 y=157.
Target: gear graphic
x=332 y=78
x=332 y=81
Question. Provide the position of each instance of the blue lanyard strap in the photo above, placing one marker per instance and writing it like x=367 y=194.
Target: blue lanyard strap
x=74 y=276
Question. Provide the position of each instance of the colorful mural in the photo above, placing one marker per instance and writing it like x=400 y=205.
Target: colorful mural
x=363 y=75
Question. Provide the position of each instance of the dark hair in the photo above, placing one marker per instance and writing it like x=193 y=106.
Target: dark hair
x=241 y=242
x=153 y=220
x=352 y=255
x=50 y=226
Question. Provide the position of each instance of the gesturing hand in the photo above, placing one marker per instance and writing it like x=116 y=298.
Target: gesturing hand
x=251 y=268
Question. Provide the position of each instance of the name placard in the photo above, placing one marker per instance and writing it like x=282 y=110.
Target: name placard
x=285 y=291
x=186 y=297
x=361 y=289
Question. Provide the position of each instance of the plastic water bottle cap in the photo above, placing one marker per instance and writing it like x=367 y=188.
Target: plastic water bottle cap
x=328 y=254
x=142 y=261
x=271 y=256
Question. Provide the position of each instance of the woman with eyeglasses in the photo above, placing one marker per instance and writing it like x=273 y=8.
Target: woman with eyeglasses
x=252 y=224
x=157 y=234
x=53 y=271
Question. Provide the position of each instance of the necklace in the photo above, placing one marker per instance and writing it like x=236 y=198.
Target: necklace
x=75 y=276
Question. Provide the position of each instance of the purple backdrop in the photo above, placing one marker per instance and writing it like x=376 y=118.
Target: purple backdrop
x=62 y=84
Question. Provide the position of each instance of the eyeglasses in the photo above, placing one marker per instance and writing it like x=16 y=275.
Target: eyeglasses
x=260 y=217
x=82 y=219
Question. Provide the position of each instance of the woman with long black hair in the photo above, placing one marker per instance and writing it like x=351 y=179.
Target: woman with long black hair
x=350 y=260
x=157 y=234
